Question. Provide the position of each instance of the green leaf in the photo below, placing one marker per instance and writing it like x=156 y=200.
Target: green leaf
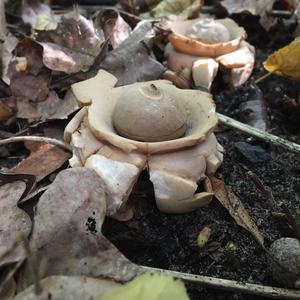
x=150 y=287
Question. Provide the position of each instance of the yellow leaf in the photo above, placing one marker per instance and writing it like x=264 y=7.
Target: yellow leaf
x=285 y=61
x=150 y=287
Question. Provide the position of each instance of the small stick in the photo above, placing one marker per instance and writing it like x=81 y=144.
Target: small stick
x=230 y=285
x=291 y=221
x=262 y=78
x=265 y=190
x=29 y=138
x=260 y=134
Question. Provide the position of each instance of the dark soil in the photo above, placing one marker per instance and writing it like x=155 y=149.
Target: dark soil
x=169 y=241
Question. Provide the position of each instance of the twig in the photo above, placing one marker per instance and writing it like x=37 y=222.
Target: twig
x=33 y=266
x=263 y=77
x=230 y=285
x=260 y=134
x=291 y=221
x=29 y=138
x=265 y=190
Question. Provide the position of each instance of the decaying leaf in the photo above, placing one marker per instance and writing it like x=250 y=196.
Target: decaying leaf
x=113 y=25
x=69 y=288
x=38 y=15
x=255 y=7
x=66 y=238
x=72 y=46
x=150 y=287
x=8 y=291
x=132 y=60
x=14 y=222
x=203 y=237
x=285 y=61
x=42 y=162
x=185 y=8
x=235 y=207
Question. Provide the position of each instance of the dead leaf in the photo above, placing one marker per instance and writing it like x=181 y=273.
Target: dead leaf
x=285 y=61
x=38 y=15
x=114 y=27
x=235 y=207
x=132 y=61
x=13 y=222
x=8 y=291
x=66 y=237
x=255 y=7
x=184 y=8
x=138 y=6
x=203 y=237
x=72 y=46
x=42 y=162
x=8 y=46
x=69 y=288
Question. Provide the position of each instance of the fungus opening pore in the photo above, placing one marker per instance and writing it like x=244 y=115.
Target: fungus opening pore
x=147 y=112
x=208 y=31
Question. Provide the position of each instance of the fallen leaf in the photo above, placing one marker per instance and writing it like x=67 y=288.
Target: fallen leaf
x=132 y=61
x=42 y=162
x=285 y=61
x=203 y=237
x=184 y=8
x=235 y=208
x=38 y=15
x=8 y=291
x=150 y=287
x=14 y=222
x=10 y=43
x=255 y=7
x=68 y=288
x=72 y=46
x=113 y=25
x=138 y=6
x=66 y=238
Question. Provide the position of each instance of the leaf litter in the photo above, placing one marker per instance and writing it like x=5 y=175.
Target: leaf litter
x=57 y=52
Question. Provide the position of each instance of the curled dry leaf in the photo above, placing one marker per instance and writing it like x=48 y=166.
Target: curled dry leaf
x=235 y=207
x=38 y=15
x=72 y=46
x=203 y=237
x=255 y=7
x=66 y=238
x=69 y=288
x=114 y=27
x=14 y=222
x=132 y=60
x=29 y=86
x=285 y=61
x=9 y=290
x=184 y=8
x=42 y=162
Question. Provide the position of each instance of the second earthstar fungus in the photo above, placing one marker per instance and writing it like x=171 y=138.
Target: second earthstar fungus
x=147 y=125
x=198 y=47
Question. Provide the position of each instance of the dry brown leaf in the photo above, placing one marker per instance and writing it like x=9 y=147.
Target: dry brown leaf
x=14 y=222
x=132 y=61
x=9 y=290
x=66 y=238
x=72 y=46
x=114 y=27
x=235 y=208
x=42 y=162
x=69 y=288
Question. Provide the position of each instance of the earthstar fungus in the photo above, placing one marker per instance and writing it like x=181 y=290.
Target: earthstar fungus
x=146 y=125
x=198 y=46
